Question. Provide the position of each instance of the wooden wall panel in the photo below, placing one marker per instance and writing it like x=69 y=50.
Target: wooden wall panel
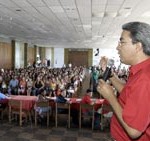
x=90 y=57
x=66 y=51
x=78 y=58
x=31 y=55
x=5 y=55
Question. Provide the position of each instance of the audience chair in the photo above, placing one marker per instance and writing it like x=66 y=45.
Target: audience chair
x=42 y=104
x=3 y=108
x=2 y=113
x=83 y=116
x=62 y=106
x=15 y=108
x=106 y=114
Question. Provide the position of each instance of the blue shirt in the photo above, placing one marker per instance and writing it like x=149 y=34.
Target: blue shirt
x=2 y=96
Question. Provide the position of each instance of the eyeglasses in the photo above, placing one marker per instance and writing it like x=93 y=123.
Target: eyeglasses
x=120 y=43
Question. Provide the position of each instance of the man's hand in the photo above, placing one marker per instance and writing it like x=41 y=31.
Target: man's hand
x=105 y=90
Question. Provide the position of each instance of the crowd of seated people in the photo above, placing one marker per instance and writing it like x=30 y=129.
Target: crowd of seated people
x=50 y=81
x=37 y=81
x=33 y=81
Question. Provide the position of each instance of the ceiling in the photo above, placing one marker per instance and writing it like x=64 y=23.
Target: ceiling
x=69 y=23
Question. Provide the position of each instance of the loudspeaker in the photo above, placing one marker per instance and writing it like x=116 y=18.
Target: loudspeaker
x=97 y=52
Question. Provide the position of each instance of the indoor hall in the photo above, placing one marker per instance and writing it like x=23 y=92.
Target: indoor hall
x=56 y=34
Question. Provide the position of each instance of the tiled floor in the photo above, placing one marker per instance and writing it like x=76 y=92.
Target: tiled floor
x=13 y=132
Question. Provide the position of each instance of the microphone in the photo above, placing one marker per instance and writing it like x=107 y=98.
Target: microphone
x=107 y=73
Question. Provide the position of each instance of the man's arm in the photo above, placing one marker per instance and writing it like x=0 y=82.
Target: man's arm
x=108 y=93
x=133 y=133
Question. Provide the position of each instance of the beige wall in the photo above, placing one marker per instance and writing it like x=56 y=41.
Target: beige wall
x=5 y=55
x=31 y=53
x=90 y=56
x=8 y=54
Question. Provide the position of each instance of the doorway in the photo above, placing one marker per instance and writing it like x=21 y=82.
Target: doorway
x=78 y=58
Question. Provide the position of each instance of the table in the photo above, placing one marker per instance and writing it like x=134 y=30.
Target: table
x=27 y=101
x=75 y=102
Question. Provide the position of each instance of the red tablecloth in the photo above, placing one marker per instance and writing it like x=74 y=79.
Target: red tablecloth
x=4 y=101
x=27 y=101
x=76 y=103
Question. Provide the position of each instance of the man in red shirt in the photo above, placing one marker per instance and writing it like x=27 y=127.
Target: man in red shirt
x=131 y=119
x=86 y=99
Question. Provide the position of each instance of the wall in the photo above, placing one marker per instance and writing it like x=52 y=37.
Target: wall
x=58 y=57
x=19 y=55
x=5 y=55
x=48 y=55
x=31 y=52
x=110 y=53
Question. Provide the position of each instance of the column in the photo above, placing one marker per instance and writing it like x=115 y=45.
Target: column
x=13 y=53
x=25 y=55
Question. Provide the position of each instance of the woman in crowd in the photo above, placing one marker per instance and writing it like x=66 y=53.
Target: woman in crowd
x=22 y=88
x=38 y=86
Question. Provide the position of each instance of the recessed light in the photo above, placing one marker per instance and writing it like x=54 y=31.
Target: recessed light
x=127 y=8
x=146 y=14
x=18 y=10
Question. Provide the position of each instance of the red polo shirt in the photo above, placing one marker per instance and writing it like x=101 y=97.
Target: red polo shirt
x=135 y=101
x=86 y=100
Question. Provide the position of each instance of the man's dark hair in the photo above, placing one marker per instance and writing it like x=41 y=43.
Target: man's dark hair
x=88 y=90
x=139 y=32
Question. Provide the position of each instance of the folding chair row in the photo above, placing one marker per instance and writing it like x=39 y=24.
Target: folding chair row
x=62 y=106
x=15 y=109
x=42 y=108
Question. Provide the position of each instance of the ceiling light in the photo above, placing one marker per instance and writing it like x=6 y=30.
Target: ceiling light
x=99 y=14
x=146 y=14
x=57 y=9
x=87 y=41
x=98 y=36
x=96 y=22
x=124 y=14
x=18 y=10
x=87 y=26
x=110 y=14
x=127 y=8
x=75 y=19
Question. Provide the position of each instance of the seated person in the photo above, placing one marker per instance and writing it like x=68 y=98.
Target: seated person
x=2 y=96
x=74 y=113
x=42 y=110
x=29 y=86
x=13 y=86
x=61 y=99
x=70 y=91
x=4 y=87
x=38 y=86
x=86 y=99
x=3 y=101
x=22 y=86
